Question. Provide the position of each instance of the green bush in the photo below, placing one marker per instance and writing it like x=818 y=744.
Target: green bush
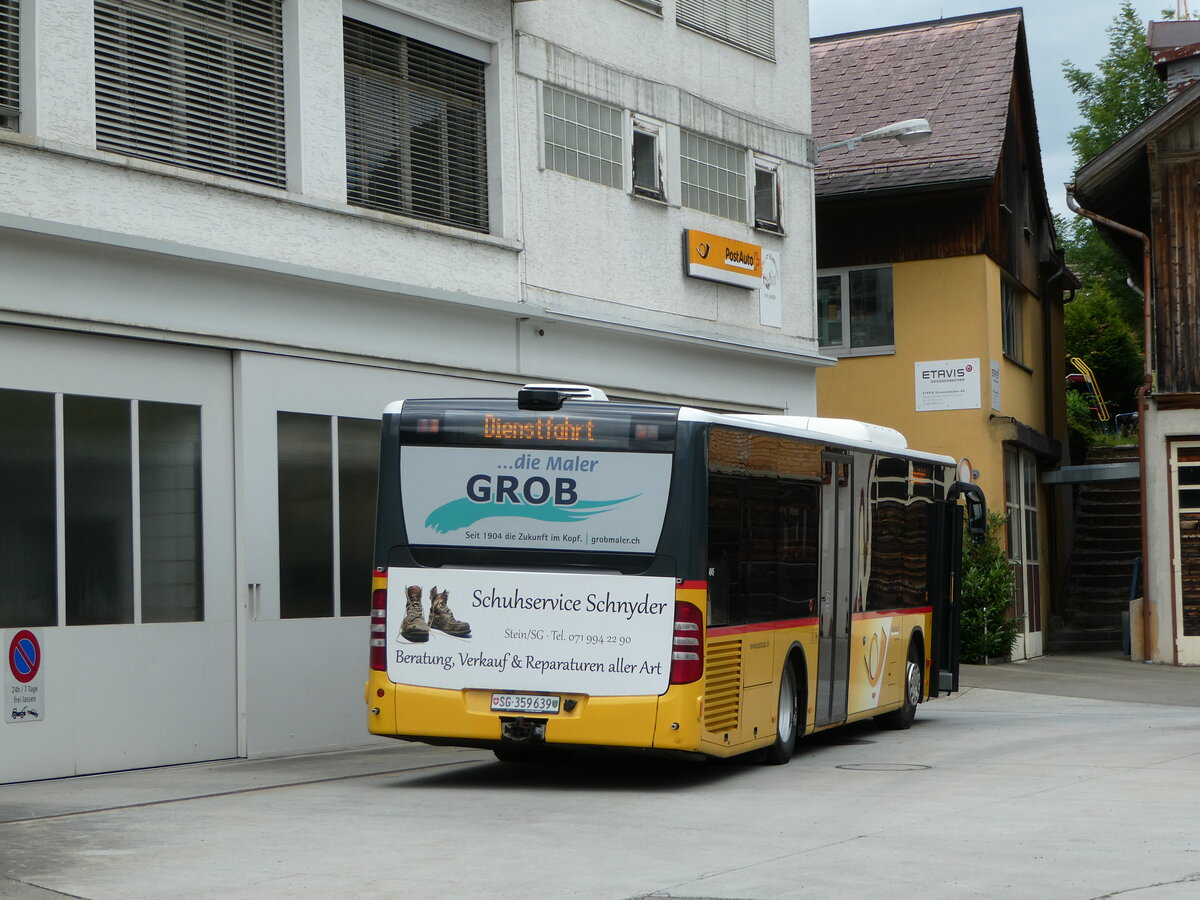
x=987 y=628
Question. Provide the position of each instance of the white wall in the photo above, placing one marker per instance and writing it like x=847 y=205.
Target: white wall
x=1162 y=426
x=327 y=308
x=598 y=251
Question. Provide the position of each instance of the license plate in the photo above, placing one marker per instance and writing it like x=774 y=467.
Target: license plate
x=525 y=703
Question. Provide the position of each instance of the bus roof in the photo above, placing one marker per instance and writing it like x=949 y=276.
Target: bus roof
x=849 y=433
x=843 y=432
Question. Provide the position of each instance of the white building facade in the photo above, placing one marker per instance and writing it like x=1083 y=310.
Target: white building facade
x=231 y=232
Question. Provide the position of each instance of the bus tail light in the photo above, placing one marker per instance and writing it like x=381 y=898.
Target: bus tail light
x=379 y=621
x=687 y=644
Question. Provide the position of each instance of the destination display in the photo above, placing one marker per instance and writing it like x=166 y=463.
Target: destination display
x=602 y=429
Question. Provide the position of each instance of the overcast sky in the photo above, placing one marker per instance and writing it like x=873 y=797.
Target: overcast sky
x=1057 y=30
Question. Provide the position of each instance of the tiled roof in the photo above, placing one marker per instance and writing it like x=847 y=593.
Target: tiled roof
x=957 y=73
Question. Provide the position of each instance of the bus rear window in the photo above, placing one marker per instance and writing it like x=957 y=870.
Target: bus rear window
x=574 y=499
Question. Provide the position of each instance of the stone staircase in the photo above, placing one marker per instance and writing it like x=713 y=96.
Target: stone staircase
x=1107 y=543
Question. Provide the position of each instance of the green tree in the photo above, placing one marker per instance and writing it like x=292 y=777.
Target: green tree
x=1104 y=323
x=1122 y=92
x=1098 y=334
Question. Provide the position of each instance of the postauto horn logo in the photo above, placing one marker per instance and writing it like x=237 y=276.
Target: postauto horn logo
x=537 y=498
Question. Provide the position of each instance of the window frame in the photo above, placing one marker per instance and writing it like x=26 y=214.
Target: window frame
x=548 y=144
x=738 y=175
x=766 y=166
x=331 y=496
x=716 y=19
x=191 y=95
x=469 y=107
x=654 y=131
x=1012 y=321
x=844 y=349
x=10 y=73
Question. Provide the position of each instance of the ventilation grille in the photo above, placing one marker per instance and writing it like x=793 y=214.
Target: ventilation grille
x=415 y=128
x=193 y=83
x=722 y=686
x=10 y=63
x=749 y=24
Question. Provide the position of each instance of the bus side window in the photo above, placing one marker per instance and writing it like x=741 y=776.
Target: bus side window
x=800 y=543
x=724 y=543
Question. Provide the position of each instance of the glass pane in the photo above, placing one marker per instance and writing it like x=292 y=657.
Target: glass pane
x=764 y=196
x=829 y=309
x=1012 y=483
x=645 y=161
x=1029 y=474
x=358 y=468
x=28 y=552
x=871 y=308
x=305 y=516
x=98 y=460
x=724 y=547
x=169 y=469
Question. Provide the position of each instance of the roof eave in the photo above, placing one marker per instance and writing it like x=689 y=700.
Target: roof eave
x=1129 y=150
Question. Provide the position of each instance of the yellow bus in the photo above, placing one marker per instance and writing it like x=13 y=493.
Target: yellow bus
x=564 y=571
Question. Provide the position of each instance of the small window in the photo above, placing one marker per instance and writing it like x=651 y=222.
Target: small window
x=766 y=196
x=10 y=63
x=714 y=177
x=855 y=310
x=582 y=137
x=1012 y=321
x=647 y=161
x=327 y=489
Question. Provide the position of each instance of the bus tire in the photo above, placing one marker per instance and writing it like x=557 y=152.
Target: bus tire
x=788 y=720
x=902 y=718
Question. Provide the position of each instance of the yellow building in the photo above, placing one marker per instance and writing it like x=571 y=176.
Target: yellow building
x=940 y=285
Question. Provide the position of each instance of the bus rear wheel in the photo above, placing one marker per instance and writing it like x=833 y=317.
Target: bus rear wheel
x=787 y=718
x=902 y=718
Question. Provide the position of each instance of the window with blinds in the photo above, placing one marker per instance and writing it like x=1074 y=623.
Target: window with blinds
x=416 y=141
x=193 y=83
x=10 y=64
x=749 y=24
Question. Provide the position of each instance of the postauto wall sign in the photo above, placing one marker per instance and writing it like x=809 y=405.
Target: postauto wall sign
x=723 y=259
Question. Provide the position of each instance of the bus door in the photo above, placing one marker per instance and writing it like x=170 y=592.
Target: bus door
x=833 y=660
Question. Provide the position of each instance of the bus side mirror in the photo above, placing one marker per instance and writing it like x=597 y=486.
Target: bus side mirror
x=972 y=495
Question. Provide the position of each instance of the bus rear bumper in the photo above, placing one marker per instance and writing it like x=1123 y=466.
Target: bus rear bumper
x=465 y=717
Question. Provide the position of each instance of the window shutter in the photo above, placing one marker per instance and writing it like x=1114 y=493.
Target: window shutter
x=10 y=63
x=415 y=128
x=749 y=24
x=193 y=83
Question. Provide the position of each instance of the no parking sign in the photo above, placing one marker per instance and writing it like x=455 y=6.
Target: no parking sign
x=24 y=698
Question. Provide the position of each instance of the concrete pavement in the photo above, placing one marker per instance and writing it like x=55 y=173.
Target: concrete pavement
x=1065 y=777
x=1095 y=676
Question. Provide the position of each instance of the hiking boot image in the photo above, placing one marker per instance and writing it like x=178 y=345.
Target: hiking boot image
x=442 y=619
x=413 y=627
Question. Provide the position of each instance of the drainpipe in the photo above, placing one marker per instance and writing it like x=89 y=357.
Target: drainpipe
x=1143 y=393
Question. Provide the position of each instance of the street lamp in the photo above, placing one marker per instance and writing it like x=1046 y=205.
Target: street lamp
x=908 y=133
